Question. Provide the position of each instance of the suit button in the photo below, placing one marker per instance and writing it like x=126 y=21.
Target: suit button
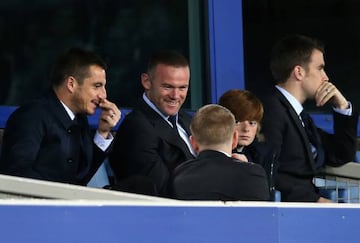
x=69 y=130
x=69 y=160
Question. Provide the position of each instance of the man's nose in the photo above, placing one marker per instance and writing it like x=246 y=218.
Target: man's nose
x=175 y=93
x=326 y=78
x=103 y=93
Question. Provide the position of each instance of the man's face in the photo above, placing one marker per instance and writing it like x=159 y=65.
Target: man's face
x=89 y=94
x=167 y=87
x=315 y=74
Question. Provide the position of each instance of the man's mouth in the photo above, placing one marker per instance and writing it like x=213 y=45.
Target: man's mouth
x=172 y=103
x=96 y=102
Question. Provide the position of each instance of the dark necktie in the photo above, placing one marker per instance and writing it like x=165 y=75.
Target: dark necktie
x=172 y=120
x=314 y=139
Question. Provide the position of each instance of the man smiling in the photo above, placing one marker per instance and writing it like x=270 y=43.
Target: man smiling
x=148 y=146
x=50 y=138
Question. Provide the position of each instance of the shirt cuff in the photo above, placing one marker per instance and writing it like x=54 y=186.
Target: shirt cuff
x=347 y=112
x=101 y=142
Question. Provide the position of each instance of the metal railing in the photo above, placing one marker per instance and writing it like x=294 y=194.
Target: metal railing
x=340 y=184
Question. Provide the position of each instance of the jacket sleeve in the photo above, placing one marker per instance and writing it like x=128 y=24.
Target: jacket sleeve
x=341 y=146
x=136 y=151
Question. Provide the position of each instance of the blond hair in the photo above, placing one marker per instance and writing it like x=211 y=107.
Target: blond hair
x=212 y=125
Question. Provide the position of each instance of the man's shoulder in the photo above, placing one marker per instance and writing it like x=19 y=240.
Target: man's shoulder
x=213 y=158
x=189 y=165
x=276 y=107
x=272 y=99
x=33 y=108
x=139 y=116
x=142 y=110
x=30 y=116
x=220 y=164
x=140 y=121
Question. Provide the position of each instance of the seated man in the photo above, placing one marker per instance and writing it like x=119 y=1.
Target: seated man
x=50 y=138
x=154 y=137
x=297 y=64
x=214 y=174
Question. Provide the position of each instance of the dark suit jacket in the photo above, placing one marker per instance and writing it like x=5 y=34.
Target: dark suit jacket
x=284 y=130
x=215 y=176
x=261 y=153
x=41 y=142
x=146 y=145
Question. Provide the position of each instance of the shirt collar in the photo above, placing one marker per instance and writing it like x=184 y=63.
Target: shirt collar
x=292 y=100
x=68 y=111
x=147 y=101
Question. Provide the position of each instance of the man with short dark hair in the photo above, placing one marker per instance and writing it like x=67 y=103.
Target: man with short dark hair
x=297 y=65
x=153 y=138
x=50 y=138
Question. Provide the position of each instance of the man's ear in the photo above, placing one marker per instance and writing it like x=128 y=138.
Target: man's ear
x=71 y=84
x=145 y=81
x=235 y=139
x=299 y=72
x=194 y=144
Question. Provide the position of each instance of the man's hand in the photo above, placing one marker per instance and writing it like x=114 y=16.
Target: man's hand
x=327 y=91
x=109 y=117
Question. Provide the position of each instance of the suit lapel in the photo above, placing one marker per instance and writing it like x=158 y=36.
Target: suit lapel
x=63 y=118
x=59 y=111
x=298 y=125
x=170 y=135
x=184 y=121
x=164 y=129
x=86 y=140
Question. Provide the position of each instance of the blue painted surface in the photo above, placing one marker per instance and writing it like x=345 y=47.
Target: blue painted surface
x=178 y=224
x=324 y=121
x=226 y=51
x=5 y=112
x=338 y=225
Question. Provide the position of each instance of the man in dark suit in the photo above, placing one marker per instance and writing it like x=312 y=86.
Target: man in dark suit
x=148 y=146
x=297 y=65
x=214 y=174
x=50 y=138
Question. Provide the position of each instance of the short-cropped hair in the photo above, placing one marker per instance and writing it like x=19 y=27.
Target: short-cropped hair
x=290 y=51
x=75 y=62
x=166 y=57
x=212 y=125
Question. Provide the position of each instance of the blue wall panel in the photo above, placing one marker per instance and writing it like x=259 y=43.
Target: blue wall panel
x=178 y=224
x=137 y=224
x=226 y=46
x=318 y=225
